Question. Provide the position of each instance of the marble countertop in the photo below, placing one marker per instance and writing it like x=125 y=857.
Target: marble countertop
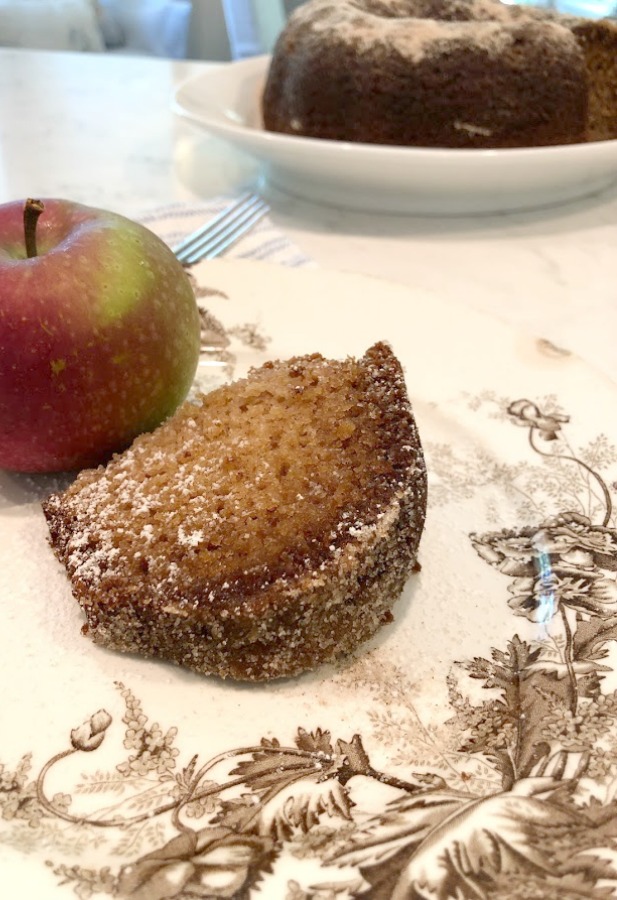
x=100 y=130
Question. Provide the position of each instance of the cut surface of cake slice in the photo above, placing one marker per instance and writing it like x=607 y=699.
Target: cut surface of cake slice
x=261 y=531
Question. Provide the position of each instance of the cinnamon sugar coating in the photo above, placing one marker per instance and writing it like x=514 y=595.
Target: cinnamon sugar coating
x=258 y=533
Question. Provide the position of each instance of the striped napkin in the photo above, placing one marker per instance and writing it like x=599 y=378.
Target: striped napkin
x=264 y=242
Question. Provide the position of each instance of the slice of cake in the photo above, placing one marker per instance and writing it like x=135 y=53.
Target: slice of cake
x=258 y=533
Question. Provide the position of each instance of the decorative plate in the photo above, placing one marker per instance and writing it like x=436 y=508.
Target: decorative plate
x=468 y=751
x=226 y=101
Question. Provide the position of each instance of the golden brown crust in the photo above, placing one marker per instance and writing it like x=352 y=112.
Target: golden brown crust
x=259 y=534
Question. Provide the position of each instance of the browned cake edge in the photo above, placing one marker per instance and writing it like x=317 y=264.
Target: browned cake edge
x=293 y=626
x=300 y=626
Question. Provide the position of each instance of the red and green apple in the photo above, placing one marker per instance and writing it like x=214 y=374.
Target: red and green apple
x=99 y=334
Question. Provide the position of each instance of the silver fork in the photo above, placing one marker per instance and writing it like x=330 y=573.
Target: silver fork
x=220 y=233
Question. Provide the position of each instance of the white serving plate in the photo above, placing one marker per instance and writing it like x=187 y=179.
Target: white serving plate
x=226 y=102
x=469 y=750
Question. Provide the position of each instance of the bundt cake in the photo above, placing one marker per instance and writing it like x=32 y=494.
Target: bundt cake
x=442 y=73
x=259 y=532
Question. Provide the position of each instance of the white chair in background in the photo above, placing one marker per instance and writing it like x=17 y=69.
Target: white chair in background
x=47 y=25
x=197 y=29
x=233 y=29
x=152 y=27
x=208 y=36
x=270 y=17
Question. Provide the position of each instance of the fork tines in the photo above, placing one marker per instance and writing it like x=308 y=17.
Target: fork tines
x=220 y=233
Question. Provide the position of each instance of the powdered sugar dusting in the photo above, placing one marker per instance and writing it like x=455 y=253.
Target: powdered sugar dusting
x=190 y=539
x=276 y=486
x=415 y=29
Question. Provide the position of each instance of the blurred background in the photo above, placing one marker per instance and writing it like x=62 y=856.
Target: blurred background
x=177 y=29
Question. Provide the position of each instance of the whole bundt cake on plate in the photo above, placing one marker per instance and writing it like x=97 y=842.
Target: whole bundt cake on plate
x=442 y=73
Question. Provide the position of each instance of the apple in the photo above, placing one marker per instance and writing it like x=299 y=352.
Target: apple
x=99 y=334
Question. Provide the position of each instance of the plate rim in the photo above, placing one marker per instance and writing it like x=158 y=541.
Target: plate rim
x=256 y=68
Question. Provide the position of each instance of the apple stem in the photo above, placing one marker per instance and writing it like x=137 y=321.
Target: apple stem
x=32 y=211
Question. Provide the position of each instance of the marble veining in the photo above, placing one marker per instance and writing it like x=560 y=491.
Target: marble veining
x=100 y=130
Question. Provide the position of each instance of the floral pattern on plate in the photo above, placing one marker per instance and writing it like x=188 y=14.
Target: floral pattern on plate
x=468 y=751
x=521 y=804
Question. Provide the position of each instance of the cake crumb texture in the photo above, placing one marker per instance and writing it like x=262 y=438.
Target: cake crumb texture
x=263 y=530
